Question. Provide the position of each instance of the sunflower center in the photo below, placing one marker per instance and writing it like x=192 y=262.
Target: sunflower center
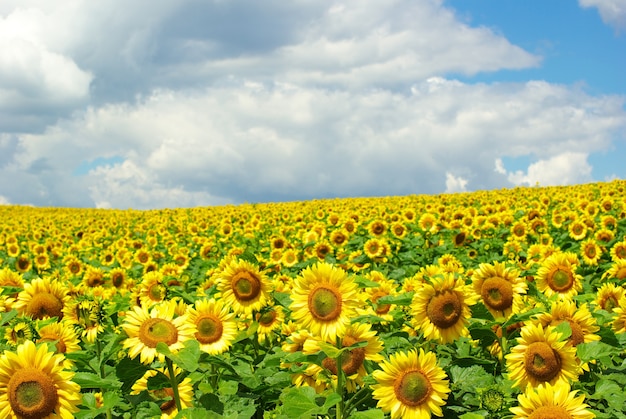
x=156 y=292
x=412 y=388
x=444 y=309
x=210 y=329
x=550 y=412
x=165 y=393
x=325 y=304
x=246 y=286
x=267 y=318
x=45 y=304
x=497 y=293
x=610 y=303
x=154 y=330
x=32 y=393
x=117 y=280
x=561 y=280
x=351 y=360
x=59 y=343
x=380 y=308
x=542 y=362
x=621 y=273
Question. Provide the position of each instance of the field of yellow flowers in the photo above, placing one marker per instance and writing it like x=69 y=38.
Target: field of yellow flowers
x=491 y=304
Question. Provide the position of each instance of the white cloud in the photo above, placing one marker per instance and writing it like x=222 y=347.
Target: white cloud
x=4 y=201
x=612 y=12
x=563 y=169
x=253 y=141
x=455 y=183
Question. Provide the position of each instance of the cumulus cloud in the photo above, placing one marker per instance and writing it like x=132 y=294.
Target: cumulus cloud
x=612 y=12
x=259 y=142
x=563 y=169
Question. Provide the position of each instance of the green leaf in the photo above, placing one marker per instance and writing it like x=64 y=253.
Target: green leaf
x=564 y=329
x=473 y=416
x=282 y=298
x=479 y=311
x=368 y=414
x=197 y=413
x=366 y=283
x=595 y=350
x=404 y=299
x=187 y=358
x=300 y=402
x=91 y=380
x=129 y=371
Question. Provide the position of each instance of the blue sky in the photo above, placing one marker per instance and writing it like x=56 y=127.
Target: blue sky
x=224 y=102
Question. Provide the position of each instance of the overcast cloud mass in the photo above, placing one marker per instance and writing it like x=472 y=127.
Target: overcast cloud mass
x=151 y=104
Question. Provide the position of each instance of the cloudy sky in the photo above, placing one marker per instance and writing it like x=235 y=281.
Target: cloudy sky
x=177 y=103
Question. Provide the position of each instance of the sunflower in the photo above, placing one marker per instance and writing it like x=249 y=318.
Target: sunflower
x=551 y=401
x=582 y=323
x=557 y=275
x=324 y=300
x=86 y=314
x=19 y=330
x=42 y=298
x=145 y=329
x=215 y=328
x=608 y=296
x=62 y=335
x=23 y=263
x=577 y=230
x=371 y=296
x=590 y=252
x=373 y=248
x=618 y=251
x=500 y=288
x=441 y=308
x=243 y=286
x=35 y=384
x=165 y=394
x=619 y=322
x=270 y=319
x=377 y=228
x=411 y=385
x=617 y=270
x=152 y=289
x=352 y=361
x=541 y=356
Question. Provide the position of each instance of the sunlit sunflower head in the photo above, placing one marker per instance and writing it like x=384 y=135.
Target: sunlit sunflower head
x=377 y=228
x=19 y=330
x=582 y=323
x=42 y=298
x=441 y=308
x=62 y=336
x=152 y=289
x=577 y=229
x=590 y=252
x=551 y=401
x=557 y=276
x=618 y=251
x=243 y=286
x=373 y=248
x=617 y=270
x=450 y=263
x=118 y=278
x=215 y=325
x=164 y=396
x=371 y=295
x=270 y=320
x=352 y=361
x=11 y=279
x=608 y=296
x=411 y=385
x=35 y=384
x=324 y=300
x=23 y=263
x=87 y=316
x=93 y=276
x=500 y=289
x=145 y=329
x=619 y=322
x=541 y=356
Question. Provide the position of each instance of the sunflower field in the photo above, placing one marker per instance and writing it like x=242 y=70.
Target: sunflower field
x=490 y=304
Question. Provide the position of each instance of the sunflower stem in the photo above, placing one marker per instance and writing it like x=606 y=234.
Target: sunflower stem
x=355 y=400
x=109 y=414
x=174 y=382
x=339 y=388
